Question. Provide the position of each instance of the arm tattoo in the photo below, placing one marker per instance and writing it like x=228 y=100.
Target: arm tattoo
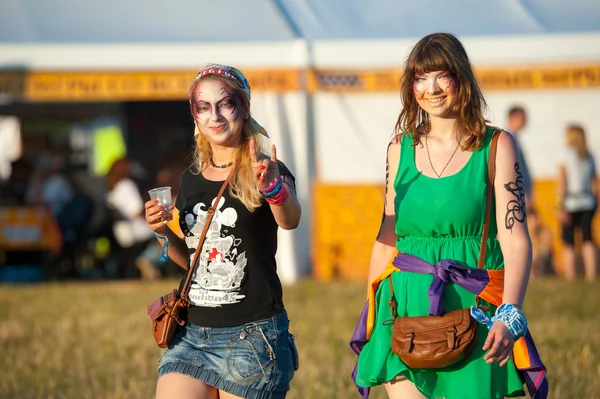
x=387 y=178
x=515 y=209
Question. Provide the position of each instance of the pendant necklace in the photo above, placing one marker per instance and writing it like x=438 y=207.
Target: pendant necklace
x=431 y=163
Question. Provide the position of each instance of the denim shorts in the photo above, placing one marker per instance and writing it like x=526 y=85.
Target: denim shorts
x=256 y=360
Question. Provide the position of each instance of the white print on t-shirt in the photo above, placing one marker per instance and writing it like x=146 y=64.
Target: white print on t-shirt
x=220 y=271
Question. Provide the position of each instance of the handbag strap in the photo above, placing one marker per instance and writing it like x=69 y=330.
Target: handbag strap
x=489 y=194
x=210 y=213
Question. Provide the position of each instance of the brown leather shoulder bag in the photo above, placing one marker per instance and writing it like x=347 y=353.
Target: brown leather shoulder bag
x=430 y=342
x=168 y=311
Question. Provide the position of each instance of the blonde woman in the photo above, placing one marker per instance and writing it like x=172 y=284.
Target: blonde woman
x=578 y=200
x=235 y=343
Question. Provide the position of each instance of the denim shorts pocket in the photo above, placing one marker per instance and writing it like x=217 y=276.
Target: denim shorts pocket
x=251 y=355
x=163 y=353
x=294 y=349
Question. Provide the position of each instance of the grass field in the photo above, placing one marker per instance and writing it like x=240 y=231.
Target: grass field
x=93 y=340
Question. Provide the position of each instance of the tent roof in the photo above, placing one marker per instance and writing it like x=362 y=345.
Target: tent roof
x=378 y=19
x=193 y=21
x=141 y=21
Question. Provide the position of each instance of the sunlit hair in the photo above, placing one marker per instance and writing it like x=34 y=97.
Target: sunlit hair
x=576 y=140
x=241 y=185
x=443 y=52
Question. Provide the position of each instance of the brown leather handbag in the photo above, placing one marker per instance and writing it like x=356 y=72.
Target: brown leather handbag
x=431 y=342
x=168 y=311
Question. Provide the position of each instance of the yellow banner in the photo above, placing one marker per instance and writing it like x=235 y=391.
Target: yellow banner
x=490 y=79
x=94 y=86
x=174 y=85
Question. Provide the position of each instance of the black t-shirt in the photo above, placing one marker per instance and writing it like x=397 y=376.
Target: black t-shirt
x=236 y=279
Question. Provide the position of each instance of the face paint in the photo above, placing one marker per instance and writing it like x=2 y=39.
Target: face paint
x=217 y=113
x=235 y=76
x=226 y=106
x=435 y=92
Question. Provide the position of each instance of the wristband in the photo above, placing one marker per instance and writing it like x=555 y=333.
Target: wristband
x=164 y=251
x=280 y=198
x=274 y=191
x=512 y=317
x=270 y=187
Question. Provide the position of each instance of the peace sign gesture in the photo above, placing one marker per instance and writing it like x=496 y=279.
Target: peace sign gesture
x=265 y=171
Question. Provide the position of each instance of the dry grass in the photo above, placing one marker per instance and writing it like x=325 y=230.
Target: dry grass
x=92 y=340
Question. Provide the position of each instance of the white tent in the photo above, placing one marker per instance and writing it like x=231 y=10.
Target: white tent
x=348 y=131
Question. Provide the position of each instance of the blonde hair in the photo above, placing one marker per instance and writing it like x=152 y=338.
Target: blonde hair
x=443 y=52
x=241 y=185
x=576 y=140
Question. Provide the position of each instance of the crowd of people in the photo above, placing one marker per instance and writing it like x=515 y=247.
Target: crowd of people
x=102 y=230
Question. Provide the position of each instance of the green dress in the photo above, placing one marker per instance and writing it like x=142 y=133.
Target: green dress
x=438 y=219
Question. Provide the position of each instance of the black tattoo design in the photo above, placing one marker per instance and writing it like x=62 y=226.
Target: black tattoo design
x=387 y=178
x=515 y=209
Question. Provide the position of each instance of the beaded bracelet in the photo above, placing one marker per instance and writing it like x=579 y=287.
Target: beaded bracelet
x=164 y=251
x=512 y=317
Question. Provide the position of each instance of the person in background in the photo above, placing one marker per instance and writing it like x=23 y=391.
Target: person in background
x=129 y=227
x=11 y=145
x=517 y=120
x=49 y=185
x=577 y=201
x=542 y=241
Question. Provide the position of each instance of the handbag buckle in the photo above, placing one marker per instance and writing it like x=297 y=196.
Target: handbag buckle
x=409 y=344
x=451 y=335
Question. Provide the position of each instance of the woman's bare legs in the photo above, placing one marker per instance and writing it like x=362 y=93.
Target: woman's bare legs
x=181 y=386
x=225 y=395
x=401 y=388
x=589 y=260
x=569 y=262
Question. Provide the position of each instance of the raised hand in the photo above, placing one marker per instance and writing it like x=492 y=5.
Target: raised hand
x=265 y=171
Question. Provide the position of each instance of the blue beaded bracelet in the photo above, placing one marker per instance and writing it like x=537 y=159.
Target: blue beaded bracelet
x=512 y=317
x=164 y=252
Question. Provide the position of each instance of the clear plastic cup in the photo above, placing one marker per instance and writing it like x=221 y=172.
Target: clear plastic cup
x=163 y=195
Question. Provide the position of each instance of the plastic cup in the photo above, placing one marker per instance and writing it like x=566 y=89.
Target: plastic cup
x=163 y=195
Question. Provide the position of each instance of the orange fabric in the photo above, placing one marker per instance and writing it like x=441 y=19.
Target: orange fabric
x=173 y=224
x=521 y=354
x=390 y=268
x=494 y=290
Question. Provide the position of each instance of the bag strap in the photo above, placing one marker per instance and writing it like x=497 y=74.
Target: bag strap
x=211 y=211
x=489 y=194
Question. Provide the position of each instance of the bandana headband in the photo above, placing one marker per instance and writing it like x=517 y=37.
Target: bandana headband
x=237 y=77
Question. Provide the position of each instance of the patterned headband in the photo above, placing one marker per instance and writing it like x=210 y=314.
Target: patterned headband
x=227 y=72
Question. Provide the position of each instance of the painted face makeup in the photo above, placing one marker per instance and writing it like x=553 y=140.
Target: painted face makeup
x=436 y=92
x=218 y=113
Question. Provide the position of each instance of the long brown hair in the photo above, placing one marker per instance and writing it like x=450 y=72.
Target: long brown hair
x=576 y=140
x=443 y=52
x=241 y=185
